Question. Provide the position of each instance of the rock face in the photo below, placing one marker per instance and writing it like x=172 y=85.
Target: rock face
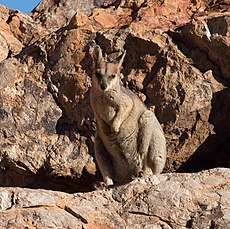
x=56 y=14
x=182 y=201
x=18 y=30
x=177 y=62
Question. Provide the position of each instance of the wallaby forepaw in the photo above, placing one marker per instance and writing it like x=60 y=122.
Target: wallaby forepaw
x=100 y=185
x=115 y=129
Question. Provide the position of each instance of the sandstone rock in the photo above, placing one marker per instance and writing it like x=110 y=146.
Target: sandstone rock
x=24 y=28
x=47 y=126
x=4 y=48
x=56 y=14
x=219 y=141
x=30 y=144
x=209 y=57
x=17 y=31
x=199 y=200
x=211 y=35
x=9 y=44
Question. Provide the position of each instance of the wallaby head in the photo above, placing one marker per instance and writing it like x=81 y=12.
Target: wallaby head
x=107 y=75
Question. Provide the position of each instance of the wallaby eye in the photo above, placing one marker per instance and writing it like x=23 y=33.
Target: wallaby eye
x=98 y=75
x=113 y=76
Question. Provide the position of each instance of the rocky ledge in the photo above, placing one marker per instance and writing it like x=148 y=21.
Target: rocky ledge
x=196 y=200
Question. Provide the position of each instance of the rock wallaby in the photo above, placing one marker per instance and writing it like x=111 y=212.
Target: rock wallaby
x=129 y=140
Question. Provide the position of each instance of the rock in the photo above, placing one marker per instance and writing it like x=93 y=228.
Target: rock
x=199 y=200
x=17 y=31
x=219 y=141
x=30 y=144
x=177 y=62
x=24 y=28
x=9 y=43
x=47 y=126
x=56 y=14
x=208 y=56
x=211 y=35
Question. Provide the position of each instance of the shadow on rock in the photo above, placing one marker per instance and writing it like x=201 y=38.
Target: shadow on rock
x=11 y=177
x=215 y=151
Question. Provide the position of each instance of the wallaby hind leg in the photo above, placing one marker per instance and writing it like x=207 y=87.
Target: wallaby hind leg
x=103 y=161
x=152 y=144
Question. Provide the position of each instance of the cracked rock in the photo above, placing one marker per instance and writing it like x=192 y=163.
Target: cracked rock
x=168 y=201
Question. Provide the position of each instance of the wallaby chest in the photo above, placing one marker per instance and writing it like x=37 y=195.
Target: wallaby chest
x=105 y=107
x=108 y=104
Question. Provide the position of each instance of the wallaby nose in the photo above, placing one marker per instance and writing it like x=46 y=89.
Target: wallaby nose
x=103 y=86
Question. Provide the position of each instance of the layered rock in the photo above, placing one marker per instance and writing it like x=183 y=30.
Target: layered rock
x=199 y=200
x=175 y=63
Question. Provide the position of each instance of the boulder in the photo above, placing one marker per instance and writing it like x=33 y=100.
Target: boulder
x=56 y=14
x=18 y=30
x=30 y=144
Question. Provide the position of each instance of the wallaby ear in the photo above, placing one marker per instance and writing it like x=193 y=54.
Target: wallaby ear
x=97 y=55
x=121 y=60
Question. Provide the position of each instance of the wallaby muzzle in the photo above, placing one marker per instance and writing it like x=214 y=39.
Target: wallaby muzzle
x=103 y=86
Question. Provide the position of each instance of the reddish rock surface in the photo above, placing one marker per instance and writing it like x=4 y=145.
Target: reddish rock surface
x=177 y=62
x=17 y=31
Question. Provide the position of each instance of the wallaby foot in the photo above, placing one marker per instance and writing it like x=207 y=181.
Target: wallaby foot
x=108 y=181
x=100 y=185
x=137 y=174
